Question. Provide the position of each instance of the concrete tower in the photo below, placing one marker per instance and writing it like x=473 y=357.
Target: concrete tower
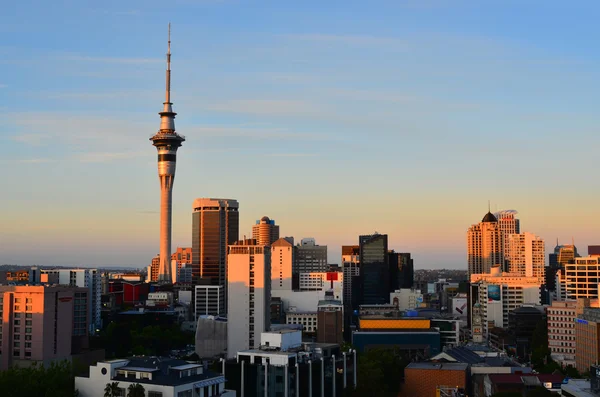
x=265 y=232
x=167 y=141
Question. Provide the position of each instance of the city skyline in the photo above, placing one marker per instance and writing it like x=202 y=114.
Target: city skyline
x=431 y=117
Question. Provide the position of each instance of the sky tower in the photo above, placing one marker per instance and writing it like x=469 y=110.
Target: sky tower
x=167 y=141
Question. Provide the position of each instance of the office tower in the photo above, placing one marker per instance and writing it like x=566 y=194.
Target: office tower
x=153 y=269
x=401 y=270
x=265 y=231
x=507 y=224
x=330 y=320
x=210 y=301
x=350 y=268
x=499 y=293
x=561 y=331
x=374 y=270
x=282 y=259
x=310 y=257
x=582 y=277
x=484 y=247
x=91 y=279
x=215 y=225
x=41 y=324
x=562 y=255
x=527 y=255
x=167 y=141
x=249 y=295
x=181 y=259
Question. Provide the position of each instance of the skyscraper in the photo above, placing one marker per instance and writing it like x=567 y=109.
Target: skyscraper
x=265 y=231
x=527 y=255
x=351 y=269
x=167 y=141
x=215 y=225
x=508 y=224
x=374 y=270
x=484 y=245
x=282 y=259
x=249 y=295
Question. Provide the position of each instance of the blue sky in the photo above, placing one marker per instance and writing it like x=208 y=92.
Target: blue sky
x=334 y=118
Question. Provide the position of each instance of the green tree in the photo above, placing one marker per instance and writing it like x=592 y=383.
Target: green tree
x=507 y=394
x=55 y=380
x=540 y=391
x=136 y=390
x=112 y=389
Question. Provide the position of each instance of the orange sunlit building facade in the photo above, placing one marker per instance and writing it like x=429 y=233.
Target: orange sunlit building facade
x=41 y=324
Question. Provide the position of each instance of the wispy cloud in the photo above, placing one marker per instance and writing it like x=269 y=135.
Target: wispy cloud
x=3 y=86
x=265 y=107
x=31 y=139
x=104 y=157
x=36 y=161
x=147 y=212
x=292 y=154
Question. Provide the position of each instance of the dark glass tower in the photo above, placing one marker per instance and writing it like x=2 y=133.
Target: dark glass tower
x=374 y=270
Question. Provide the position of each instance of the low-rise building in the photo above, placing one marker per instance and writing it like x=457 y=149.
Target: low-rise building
x=561 y=331
x=406 y=298
x=159 y=376
x=426 y=379
x=308 y=320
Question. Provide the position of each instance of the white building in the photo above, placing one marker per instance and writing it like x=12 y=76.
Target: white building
x=83 y=278
x=160 y=377
x=507 y=224
x=499 y=293
x=210 y=301
x=282 y=258
x=561 y=331
x=249 y=295
x=406 y=298
x=527 y=255
x=160 y=299
x=308 y=320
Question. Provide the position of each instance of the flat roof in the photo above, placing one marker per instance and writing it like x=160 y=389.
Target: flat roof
x=186 y=366
x=578 y=387
x=281 y=331
x=439 y=366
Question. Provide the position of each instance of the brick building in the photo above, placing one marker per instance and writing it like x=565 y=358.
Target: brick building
x=423 y=379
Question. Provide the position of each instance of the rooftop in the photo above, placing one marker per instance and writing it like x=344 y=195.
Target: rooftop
x=578 y=387
x=439 y=366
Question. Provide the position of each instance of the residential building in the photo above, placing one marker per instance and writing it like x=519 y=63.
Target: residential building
x=330 y=322
x=527 y=255
x=41 y=324
x=582 y=277
x=249 y=289
x=374 y=283
x=265 y=231
x=484 y=245
x=561 y=331
x=160 y=377
x=210 y=300
x=215 y=225
x=499 y=293
x=153 y=269
x=282 y=259
x=426 y=379
x=91 y=279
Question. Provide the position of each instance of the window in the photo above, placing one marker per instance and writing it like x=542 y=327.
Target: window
x=17 y=337
x=27 y=322
x=28 y=315
x=17 y=344
x=27 y=337
x=28 y=345
x=17 y=308
x=17 y=300
x=17 y=315
x=16 y=353
x=28 y=300
x=27 y=354
x=155 y=394
x=28 y=330
x=187 y=393
x=29 y=308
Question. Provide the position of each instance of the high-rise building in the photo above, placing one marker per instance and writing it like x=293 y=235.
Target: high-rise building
x=507 y=224
x=282 y=259
x=265 y=231
x=215 y=225
x=350 y=268
x=562 y=255
x=581 y=278
x=166 y=141
x=527 y=255
x=374 y=270
x=484 y=245
x=153 y=269
x=41 y=324
x=249 y=289
x=310 y=257
x=91 y=279
x=401 y=270
x=587 y=335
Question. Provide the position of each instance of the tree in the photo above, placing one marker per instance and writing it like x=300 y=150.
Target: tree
x=507 y=394
x=112 y=389
x=540 y=391
x=55 y=380
x=136 y=390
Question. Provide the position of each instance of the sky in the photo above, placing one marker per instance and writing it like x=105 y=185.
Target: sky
x=334 y=118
